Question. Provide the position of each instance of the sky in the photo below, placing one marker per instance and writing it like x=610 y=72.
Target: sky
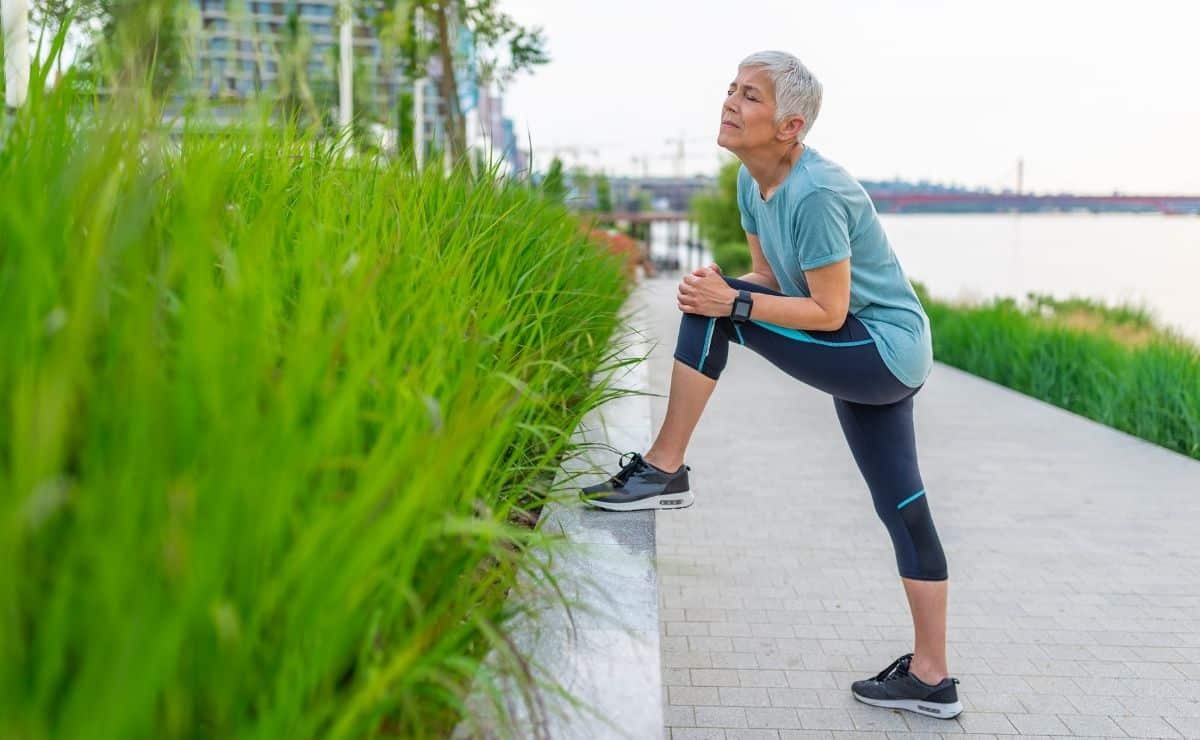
x=1095 y=97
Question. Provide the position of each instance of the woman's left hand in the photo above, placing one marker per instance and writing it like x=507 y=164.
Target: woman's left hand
x=706 y=293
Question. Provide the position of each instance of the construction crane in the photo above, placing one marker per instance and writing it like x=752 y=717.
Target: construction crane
x=575 y=151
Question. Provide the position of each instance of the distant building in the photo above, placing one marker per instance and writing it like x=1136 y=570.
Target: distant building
x=236 y=46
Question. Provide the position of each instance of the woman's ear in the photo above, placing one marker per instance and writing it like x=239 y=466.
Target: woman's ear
x=791 y=128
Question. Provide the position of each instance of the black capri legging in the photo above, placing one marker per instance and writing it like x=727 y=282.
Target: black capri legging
x=873 y=406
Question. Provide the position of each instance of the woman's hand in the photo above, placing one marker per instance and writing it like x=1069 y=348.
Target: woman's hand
x=705 y=292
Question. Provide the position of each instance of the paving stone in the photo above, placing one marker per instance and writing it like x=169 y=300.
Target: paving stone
x=825 y=719
x=1038 y=724
x=693 y=695
x=993 y=723
x=779 y=718
x=720 y=717
x=697 y=733
x=679 y=716
x=1147 y=727
x=752 y=734
x=877 y=719
x=1189 y=727
x=744 y=697
x=1091 y=725
x=734 y=660
x=714 y=677
x=763 y=677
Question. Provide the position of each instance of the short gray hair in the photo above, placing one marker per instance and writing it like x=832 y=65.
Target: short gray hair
x=797 y=91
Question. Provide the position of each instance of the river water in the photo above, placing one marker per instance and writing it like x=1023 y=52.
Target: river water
x=1143 y=259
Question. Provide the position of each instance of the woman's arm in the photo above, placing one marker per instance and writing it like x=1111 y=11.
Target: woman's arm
x=825 y=311
x=706 y=293
x=762 y=274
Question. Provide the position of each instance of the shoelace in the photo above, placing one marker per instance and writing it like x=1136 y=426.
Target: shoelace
x=628 y=468
x=899 y=667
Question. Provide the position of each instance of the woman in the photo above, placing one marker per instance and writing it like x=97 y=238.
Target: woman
x=827 y=303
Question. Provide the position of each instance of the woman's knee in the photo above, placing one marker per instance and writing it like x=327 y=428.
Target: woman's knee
x=918 y=548
x=701 y=345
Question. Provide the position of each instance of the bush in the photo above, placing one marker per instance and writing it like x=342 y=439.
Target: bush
x=733 y=257
x=1108 y=364
x=268 y=413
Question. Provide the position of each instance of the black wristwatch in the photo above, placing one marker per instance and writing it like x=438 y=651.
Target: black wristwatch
x=741 y=307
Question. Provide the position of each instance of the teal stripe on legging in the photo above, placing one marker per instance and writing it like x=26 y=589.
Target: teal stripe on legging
x=805 y=337
x=910 y=498
x=738 y=329
x=707 y=340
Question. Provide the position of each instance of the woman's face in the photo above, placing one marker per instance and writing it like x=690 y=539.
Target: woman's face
x=747 y=117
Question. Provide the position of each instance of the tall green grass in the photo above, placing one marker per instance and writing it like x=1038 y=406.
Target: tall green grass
x=268 y=415
x=1109 y=364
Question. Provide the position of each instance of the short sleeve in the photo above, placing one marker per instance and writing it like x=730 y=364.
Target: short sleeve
x=821 y=231
x=743 y=198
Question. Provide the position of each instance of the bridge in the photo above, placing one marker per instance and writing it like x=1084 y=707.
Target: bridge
x=641 y=217
x=950 y=202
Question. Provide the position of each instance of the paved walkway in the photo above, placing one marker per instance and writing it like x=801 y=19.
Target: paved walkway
x=1074 y=602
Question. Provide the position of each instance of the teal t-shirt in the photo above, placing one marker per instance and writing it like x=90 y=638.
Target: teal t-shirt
x=820 y=215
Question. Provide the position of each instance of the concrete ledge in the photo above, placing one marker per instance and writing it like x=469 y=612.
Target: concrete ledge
x=605 y=650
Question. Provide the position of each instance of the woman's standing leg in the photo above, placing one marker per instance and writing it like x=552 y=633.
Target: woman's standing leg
x=927 y=602
x=883 y=443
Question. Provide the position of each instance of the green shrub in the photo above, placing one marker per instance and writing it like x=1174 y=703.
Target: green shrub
x=1106 y=363
x=716 y=211
x=267 y=414
x=733 y=257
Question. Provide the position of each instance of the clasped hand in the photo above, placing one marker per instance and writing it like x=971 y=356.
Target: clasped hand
x=705 y=292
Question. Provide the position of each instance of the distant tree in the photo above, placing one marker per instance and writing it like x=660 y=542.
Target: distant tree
x=392 y=25
x=296 y=100
x=716 y=212
x=131 y=41
x=492 y=31
x=553 y=185
x=603 y=193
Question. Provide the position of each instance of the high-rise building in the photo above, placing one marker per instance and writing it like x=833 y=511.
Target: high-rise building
x=237 y=46
x=239 y=49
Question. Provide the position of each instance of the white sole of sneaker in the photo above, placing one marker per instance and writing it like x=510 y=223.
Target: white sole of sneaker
x=661 y=501
x=929 y=709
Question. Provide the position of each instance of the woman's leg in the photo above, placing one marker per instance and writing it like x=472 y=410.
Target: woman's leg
x=842 y=363
x=883 y=443
x=690 y=390
x=927 y=602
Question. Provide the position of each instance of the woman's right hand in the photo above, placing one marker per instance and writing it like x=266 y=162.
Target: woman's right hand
x=710 y=266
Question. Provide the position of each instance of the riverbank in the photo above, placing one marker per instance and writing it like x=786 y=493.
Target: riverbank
x=1110 y=364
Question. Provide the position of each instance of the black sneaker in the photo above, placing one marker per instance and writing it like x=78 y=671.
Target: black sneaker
x=895 y=687
x=640 y=485
x=627 y=468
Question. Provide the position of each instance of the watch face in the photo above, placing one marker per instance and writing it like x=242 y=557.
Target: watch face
x=741 y=309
